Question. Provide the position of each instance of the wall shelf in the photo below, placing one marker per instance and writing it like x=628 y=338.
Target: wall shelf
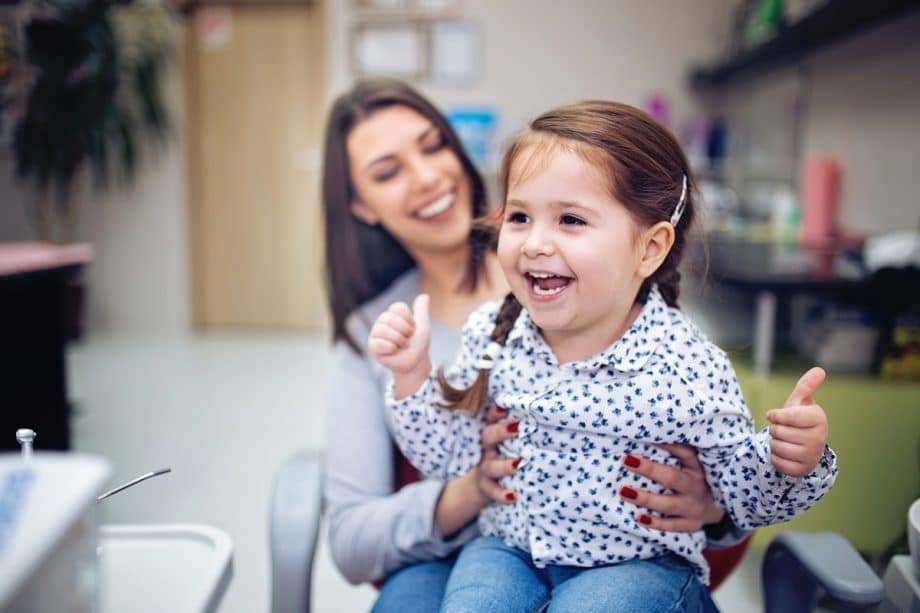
x=835 y=21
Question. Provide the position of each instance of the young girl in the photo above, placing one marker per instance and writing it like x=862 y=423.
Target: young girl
x=591 y=354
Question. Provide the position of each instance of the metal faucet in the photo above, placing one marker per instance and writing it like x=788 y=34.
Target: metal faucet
x=25 y=437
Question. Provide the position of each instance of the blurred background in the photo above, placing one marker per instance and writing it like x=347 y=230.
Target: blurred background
x=159 y=177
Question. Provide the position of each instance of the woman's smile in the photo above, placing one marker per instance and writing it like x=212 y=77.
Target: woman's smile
x=438 y=207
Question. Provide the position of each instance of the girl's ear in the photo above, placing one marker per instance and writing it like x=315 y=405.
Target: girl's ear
x=656 y=244
x=364 y=213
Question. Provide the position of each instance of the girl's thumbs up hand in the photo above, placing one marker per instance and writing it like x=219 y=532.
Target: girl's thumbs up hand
x=399 y=338
x=799 y=429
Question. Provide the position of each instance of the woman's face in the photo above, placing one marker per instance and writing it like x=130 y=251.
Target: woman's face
x=407 y=179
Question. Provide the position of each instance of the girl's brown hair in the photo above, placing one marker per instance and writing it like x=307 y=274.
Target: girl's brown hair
x=362 y=260
x=645 y=168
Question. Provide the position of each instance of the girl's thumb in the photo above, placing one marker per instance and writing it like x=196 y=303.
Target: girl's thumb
x=805 y=389
x=420 y=313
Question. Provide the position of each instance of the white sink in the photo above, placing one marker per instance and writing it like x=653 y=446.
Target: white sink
x=180 y=568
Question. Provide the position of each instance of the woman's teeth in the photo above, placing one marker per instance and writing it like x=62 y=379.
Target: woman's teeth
x=437 y=207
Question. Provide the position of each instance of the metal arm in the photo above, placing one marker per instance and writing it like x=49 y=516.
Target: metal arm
x=797 y=564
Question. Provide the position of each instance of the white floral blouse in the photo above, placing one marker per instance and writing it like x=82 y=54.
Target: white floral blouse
x=662 y=382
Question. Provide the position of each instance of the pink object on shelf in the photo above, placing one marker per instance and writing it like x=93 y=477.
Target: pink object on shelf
x=21 y=257
x=657 y=106
x=820 y=196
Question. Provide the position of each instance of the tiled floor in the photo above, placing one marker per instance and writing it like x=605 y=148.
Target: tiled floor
x=223 y=411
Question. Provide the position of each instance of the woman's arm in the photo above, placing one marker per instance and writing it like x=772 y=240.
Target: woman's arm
x=373 y=531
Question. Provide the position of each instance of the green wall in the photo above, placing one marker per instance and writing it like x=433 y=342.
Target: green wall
x=875 y=431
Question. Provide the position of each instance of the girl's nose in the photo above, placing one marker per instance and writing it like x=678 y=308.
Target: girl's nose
x=537 y=244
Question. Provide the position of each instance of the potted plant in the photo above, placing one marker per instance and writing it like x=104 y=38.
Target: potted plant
x=96 y=95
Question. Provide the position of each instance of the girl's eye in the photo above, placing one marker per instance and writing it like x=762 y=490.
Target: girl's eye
x=571 y=220
x=516 y=217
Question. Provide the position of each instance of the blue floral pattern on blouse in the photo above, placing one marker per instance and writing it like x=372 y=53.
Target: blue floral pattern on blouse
x=662 y=382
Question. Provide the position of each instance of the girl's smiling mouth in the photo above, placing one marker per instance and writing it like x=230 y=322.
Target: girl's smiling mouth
x=546 y=284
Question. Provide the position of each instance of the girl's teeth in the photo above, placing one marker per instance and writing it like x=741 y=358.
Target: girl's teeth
x=437 y=207
x=539 y=291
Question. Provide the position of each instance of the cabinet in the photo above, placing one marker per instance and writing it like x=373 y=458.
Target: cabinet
x=832 y=22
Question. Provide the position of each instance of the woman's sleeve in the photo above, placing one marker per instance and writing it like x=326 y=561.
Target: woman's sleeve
x=724 y=534
x=373 y=531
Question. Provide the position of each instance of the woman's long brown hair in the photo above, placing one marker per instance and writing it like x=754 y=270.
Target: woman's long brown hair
x=644 y=166
x=362 y=260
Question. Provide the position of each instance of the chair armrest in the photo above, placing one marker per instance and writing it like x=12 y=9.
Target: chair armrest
x=294 y=518
x=797 y=564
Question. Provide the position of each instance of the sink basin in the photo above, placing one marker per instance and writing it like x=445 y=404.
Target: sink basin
x=181 y=568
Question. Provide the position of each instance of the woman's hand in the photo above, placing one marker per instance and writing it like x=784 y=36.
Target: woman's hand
x=689 y=508
x=493 y=466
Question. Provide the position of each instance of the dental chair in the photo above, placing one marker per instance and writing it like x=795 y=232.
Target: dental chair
x=795 y=567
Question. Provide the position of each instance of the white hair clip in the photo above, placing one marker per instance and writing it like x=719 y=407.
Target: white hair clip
x=487 y=361
x=681 y=204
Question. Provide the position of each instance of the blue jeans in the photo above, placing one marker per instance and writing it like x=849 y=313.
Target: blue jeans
x=418 y=588
x=490 y=576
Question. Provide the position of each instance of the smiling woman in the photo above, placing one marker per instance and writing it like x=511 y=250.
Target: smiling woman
x=391 y=158
x=408 y=180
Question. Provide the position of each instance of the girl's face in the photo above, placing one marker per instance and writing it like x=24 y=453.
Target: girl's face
x=407 y=179
x=571 y=252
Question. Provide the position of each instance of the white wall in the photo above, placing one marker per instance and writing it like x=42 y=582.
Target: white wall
x=860 y=103
x=536 y=54
x=865 y=109
x=140 y=277
x=541 y=53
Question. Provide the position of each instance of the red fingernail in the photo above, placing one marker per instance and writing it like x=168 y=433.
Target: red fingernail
x=513 y=427
x=501 y=409
x=516 y=463
x=628 y=492
x=510 y=497
x=645 y=520
x=631 y=461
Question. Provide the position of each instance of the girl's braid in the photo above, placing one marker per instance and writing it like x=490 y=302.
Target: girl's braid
x=474 y=398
